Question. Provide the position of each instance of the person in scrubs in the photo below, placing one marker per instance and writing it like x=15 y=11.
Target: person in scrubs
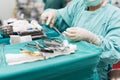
x=94 y=21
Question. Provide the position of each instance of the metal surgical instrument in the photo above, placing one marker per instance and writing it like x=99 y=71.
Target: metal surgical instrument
x=63 y=36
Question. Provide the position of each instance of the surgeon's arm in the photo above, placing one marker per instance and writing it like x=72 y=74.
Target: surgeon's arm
x=111 y=42
x=65 y=16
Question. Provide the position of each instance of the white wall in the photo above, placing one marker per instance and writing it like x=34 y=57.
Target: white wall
x=6 y=8
x=116 y=3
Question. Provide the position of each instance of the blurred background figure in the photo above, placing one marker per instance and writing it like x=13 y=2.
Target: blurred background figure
x=55 y=4
x=29 y=9
x=0 y=22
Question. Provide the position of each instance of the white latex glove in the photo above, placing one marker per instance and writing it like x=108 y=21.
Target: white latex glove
x=78 y=34
x=48 y=17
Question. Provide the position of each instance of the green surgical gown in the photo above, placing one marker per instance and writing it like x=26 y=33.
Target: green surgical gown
x=55 y=4
x=104 y=22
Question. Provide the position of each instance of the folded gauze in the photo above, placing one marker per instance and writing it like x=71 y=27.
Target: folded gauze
x=12 y=59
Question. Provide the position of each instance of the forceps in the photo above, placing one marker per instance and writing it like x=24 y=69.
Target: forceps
x=62 y=35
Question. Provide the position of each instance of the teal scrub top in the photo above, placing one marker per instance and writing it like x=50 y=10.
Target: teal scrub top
x=55 y=4
x=104 y=22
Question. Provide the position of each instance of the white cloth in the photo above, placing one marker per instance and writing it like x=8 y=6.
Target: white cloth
x=12 y=59
x=19 y=58
x=19 y=39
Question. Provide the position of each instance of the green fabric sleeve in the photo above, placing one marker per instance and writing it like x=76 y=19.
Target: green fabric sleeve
x=65 y=16
x=111 y=42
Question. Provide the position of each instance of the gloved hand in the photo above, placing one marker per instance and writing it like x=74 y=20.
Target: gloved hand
x=78 y=34
x=48 y=17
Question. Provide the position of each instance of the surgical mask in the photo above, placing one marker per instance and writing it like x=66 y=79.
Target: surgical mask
x=92 y=2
